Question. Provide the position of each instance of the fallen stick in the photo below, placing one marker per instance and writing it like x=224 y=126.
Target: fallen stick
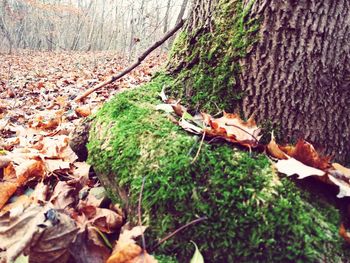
x=130 y=68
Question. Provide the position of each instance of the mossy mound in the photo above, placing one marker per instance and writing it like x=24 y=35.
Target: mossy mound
x=253 y=215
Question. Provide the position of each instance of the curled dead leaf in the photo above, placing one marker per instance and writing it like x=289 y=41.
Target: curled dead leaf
x=274 y=150
x=126 y=249
x=344 y=233
x=4 y=161
x=232 y=128
x=83 y=111
x=305 y=152
x=88 y=247
x=38 y=231
x=7 y=189
x=63 y=195
x=107 y=220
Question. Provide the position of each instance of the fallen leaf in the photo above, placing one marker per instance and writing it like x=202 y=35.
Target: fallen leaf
x=107 y=220
x=22 y=200
x=190 y=127
x=305 y=152
x=165 y=107
x=344 y=233
x=345 y=171
x=56 y=164
x=128 y=253
x=29 y=169
x=344 y=187
x=126 y=248
x=197 y=256
x=83 y=111
x=54 y=146
x=274 y=150
x=7 y=189
x=47 y=120
x=232 y=128
x=143 y=257
x=292 y=166
x=88 y=247
x=81 y=169
x=63 y=195
x=38 y=231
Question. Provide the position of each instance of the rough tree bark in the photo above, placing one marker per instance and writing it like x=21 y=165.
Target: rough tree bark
x=290 y=62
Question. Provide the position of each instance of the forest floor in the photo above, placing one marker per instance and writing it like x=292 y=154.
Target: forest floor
x=42 y=181
x=38 y=112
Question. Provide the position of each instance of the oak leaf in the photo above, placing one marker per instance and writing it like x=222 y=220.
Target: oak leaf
x=83 y=111
x=305 y=152
x=126 y=249
x=232 y=128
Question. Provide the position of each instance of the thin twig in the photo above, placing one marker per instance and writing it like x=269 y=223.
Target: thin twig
x=177 y=231
x=138 y=62
x=140 y=214
x=199 y=149
x=243 y=131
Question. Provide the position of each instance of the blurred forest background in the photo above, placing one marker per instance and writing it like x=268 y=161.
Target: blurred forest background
x=126 y=26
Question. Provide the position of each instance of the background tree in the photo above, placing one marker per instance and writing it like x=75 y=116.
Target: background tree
x=126 y=26
x=287 y=62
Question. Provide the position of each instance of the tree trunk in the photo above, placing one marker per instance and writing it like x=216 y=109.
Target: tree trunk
x=288 y=62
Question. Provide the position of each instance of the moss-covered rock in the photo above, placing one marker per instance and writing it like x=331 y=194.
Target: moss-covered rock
x=253 y=215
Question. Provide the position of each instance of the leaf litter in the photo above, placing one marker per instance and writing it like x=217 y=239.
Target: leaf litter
x=52 y=207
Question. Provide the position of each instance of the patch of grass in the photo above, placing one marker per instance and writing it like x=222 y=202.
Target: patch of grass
x=253 y=215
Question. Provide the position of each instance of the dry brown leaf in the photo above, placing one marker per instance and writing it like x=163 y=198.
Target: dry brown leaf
x=29 y=169
x=232 y=128
x=47 y=120
x=274 y=150
x=54 y=146
x=81 y=169
x=83 y=111
x=68 y=155
x=344 y=233
x=22 y=200
x=39 y=195
x=128 y=236
x=127 y=251
x=4 y=161
x=306 y=153
x=63 y=195
x=88 y=247
x=56 y=164
x=9 y=173
x=107 y=220
x=144 y=258
x=10 y=93
x=7 y=189
x=38 y=231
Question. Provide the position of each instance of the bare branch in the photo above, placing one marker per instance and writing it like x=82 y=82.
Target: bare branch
x=137 y=63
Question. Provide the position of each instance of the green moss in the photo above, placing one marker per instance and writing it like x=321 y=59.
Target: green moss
x=209 y=60
x=252 y=214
